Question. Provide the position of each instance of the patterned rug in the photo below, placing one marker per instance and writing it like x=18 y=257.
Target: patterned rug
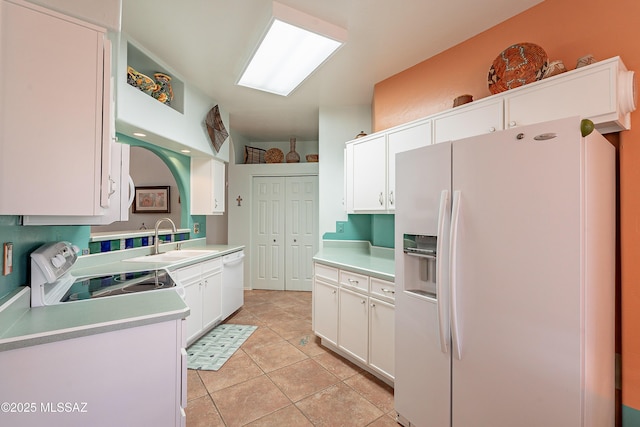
x=211 y=351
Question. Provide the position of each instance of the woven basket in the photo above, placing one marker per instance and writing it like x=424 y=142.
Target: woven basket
x=274 y=155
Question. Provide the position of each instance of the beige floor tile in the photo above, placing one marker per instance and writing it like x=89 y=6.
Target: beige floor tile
x=339 y=405
x=195 y=387
x=338 y=366
x=288 y=329
x=201 y=412
x=372 y=389
x=239 y=368
x=302 y=379
x=246 y=402
x=244 y=317
x=274 y=356
x=285 y=417
x=261 y=337
x=309 y=344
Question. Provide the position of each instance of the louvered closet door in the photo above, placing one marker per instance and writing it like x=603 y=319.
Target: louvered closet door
x=301 y=224
x=268 y=236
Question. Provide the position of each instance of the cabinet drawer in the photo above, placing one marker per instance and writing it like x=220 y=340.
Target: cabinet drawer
x=212 y=265
x=354 y=280
x=327 y=273
x=383 y=289
x=187 y=274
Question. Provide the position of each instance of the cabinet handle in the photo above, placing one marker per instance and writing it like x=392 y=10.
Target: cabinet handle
x=353 y=281
x=388 y=291
x=391 y=198
x=373 y=305
x=512 y=124
x=492 y=129
x=362 y=302
x=381 y=199
x=112 y=185
x=215 y=203
x=295 y=240
x=333 y=292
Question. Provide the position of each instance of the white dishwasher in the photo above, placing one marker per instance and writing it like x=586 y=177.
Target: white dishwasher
x=232 y=282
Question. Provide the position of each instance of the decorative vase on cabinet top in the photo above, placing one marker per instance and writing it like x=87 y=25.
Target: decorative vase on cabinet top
x=164 y=91
x=292 y=156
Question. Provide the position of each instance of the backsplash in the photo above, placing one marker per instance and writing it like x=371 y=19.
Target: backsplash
x=117 y=244
x=378 y=229
x=26 y=239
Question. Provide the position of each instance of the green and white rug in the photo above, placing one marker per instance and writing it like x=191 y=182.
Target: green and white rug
x=211 y=351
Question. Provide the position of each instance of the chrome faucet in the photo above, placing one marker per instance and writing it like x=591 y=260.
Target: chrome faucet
x=155 y=240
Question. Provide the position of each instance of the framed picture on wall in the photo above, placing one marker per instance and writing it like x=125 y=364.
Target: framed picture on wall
x=152 y=200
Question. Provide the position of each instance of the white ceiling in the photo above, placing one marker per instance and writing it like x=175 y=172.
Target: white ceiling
x=208 y=43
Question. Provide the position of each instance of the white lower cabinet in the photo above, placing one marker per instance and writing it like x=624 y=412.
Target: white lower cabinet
x=325 y=311
x=202 y=284
x=354 y=315
x=381 y=336
x=353 y=325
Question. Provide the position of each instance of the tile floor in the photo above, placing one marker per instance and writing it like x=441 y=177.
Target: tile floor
x=282 y=376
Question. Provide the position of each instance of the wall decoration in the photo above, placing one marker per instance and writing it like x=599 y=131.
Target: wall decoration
x=153 y=199
x=215 y=128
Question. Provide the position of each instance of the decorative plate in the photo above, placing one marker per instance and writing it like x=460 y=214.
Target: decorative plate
x=516 y=66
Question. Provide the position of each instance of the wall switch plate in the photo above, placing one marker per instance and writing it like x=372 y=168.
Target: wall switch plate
x=7 y=259
x=340 y=227
x=196 y=228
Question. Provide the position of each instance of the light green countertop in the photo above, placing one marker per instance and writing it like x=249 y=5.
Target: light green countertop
x=23 y=326
x=359 y=257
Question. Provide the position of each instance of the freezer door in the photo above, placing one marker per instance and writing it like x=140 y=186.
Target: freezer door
x=423 y=356
x=517 y=285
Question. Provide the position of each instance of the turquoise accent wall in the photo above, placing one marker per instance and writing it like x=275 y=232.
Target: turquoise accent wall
x=376 y=228
x=630 y=417
x=26 y=239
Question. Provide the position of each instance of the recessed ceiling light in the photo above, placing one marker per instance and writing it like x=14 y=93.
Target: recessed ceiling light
x=185 y=151
x=139 y=134
x=294 y=46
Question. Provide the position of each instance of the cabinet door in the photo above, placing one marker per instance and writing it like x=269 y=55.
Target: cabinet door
x=595 y=92
x=404 y=139
x=325 y=311
x=353 y=325
x=53 y=74
x=472 y=119
x=382 y=337
x=219 y=187
x=370 y=174
x=207 y=186
x=211 y=299
x=193 y=298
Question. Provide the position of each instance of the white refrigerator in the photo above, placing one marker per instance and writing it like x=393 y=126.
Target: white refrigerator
x=505 y=265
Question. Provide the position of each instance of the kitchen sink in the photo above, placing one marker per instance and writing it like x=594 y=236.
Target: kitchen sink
x=173 y=256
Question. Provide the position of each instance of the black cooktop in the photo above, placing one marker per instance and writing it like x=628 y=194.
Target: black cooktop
x=118 y=284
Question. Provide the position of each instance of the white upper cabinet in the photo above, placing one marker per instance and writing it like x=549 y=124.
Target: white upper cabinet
x=405 y=138
x=370 y=166
x=476 y=118
x=55 y=113
x=207 y=186
x=370 y=174
x=603 y=92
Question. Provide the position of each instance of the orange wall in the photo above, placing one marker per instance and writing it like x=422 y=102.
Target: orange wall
x=567 y=30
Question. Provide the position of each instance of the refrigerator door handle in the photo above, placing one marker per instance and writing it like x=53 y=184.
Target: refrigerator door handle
x=442 y=317
x=453 y=243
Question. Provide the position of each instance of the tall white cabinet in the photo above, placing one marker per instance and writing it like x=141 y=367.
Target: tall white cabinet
x=55 y=113
x=284 y=224
x=208 y=186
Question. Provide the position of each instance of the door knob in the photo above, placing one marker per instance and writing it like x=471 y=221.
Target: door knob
x=295 y=240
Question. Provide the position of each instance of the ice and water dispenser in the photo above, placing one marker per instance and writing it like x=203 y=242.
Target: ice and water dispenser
x=420 y=264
